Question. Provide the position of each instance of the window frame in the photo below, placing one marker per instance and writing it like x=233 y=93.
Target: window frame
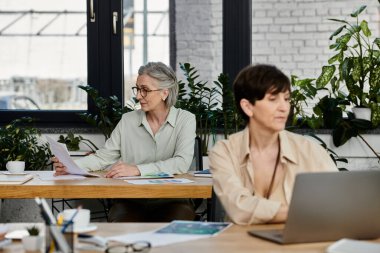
x=105 y=57
x=104 y=68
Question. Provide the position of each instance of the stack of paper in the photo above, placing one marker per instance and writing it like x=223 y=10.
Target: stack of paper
x=353 y=246
x=14 y=179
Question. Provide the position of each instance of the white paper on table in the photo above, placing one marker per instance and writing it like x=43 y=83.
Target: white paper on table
x=61 y=152
x=155 y=239
x=353 y=246
x=161 y=181
x=49 y=176
x=175 y=232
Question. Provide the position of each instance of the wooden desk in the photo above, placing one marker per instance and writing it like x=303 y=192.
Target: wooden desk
x=234 y=240
x=106 y=188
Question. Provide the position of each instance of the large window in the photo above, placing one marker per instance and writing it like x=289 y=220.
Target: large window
x=146 y=36
x=43 y=54
x=49 y=47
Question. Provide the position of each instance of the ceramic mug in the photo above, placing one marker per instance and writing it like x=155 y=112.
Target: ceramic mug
x=81 y=219
x=15 y=166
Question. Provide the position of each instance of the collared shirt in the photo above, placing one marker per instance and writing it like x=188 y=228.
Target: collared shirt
x=170 y=150
x=233 y=174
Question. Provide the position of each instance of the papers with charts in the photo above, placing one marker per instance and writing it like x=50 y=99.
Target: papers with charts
x=202 y=173
x=161 y=181
x=175 y=232
x=149 y=176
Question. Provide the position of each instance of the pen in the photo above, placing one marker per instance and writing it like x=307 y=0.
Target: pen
x=71 y=221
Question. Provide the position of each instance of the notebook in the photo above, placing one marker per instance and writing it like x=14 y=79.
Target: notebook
x=328 y=206
x=14 y=179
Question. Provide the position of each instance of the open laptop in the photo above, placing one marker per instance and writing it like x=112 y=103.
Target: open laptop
x=329 y=206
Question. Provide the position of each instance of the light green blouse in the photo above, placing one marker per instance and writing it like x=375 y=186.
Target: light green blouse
x=170 y=150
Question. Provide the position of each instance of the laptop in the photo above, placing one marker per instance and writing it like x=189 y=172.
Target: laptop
x=328 y=206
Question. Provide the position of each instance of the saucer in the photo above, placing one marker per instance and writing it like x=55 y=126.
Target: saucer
x=10 y=173
x=89 y=228
x=17 y=234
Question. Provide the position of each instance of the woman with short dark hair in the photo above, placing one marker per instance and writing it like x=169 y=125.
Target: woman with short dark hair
x=254 y=170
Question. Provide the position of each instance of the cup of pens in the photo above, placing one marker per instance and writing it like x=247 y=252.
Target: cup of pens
x=79 y=218
x=58 y=241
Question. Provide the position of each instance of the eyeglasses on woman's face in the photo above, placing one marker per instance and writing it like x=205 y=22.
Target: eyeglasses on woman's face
x=140 y=246
x=143 y=91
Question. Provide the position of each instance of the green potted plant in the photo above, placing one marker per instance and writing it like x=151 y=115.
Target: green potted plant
x=19 y=142
x=200 y=99
x=108 y=111
x=356 y=64
x=213 y=105
x=32 y=242
x=351 y=78
x=72 y=142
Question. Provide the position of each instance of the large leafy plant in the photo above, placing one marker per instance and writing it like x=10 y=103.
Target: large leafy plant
x=197 y=97
x=356 y=63
x=212 y=104
x=19 y=142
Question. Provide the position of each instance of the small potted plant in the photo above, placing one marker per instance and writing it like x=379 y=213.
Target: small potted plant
x=20 y=142
x=32 y=242
x=72 y=142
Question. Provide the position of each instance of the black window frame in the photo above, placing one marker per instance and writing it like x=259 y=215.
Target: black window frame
x=104 y=63
x=105 y=56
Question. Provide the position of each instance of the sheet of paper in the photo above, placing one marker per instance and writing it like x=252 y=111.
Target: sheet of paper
x=155 y=239
x=175 y=232
x=49 y=176
x=353 y=246
x=161 y=181
x=60 y=151
x=148 y=176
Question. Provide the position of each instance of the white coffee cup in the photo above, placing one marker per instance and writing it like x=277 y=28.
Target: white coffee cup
x=15 y=166
x=81 y=219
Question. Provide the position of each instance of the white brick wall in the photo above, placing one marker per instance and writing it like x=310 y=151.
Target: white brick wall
x=292 y=34
x=301 y=29
x=199 y=36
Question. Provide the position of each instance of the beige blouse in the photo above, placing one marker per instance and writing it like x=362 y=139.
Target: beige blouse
x=233 y=173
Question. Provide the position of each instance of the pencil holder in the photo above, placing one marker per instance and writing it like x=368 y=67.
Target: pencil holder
x=58 y=241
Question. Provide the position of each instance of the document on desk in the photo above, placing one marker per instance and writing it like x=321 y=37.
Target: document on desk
x=49 y=176
x=61 y=152
x=160 y=181
x=148 y=176
x=175 y=232
x=346 y=245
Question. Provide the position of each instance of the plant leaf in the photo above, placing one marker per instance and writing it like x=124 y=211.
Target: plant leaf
x=338 y=20
x=365 y=29
x=358 y=11
x=326 y=75
x=337 y=32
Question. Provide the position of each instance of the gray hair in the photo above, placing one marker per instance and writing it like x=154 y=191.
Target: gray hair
x=166 y=79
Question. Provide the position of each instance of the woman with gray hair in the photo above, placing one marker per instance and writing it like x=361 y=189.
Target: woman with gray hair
x=156 y=138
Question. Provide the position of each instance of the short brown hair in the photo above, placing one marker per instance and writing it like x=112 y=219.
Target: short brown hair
x=254 y=81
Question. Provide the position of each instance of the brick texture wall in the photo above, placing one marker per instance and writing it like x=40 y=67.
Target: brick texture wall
x=199 y=36
x=292 y=34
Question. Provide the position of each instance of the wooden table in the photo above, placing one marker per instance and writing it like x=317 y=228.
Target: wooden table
x=234 y=240
x=106 y=188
